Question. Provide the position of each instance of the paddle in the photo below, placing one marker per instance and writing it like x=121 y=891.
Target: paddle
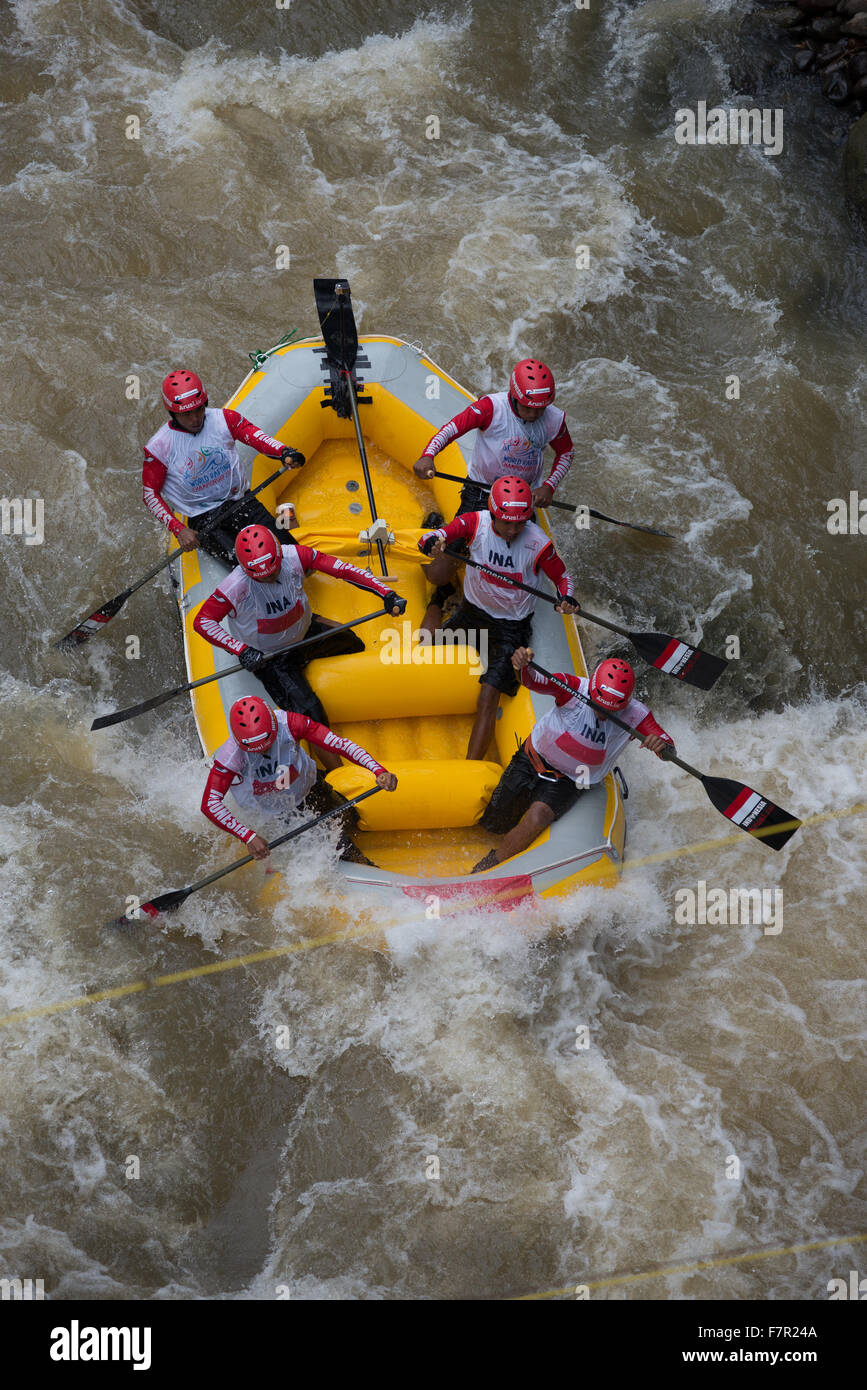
x=98 y=620
x=739 y=803
x=567 y=507
x=669 y=654
x=168 y=902
x=340 y=335
x=120 y=716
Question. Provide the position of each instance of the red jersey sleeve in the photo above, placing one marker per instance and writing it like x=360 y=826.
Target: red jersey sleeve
x=543 y=686
x=208 y=623
x=248 y=433
x=153 y=475
x=219 y=781
x=300 y=726
x=649 y=725
x=340 y=569
x=463 y=528
x=549 y=562
x=564 y=453
x=476 y=417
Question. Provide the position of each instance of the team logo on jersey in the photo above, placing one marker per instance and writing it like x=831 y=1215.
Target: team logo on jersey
x=206 y=467
x=279 y=604
x=519 y=444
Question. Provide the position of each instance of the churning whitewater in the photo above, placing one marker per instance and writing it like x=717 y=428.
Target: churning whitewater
x=584 y=1070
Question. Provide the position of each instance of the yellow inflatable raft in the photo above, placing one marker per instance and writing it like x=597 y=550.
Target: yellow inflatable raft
x=413 y=715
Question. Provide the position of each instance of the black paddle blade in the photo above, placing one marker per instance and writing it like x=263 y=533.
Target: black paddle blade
x=601 y=516
x=118 y=716
x=751 y=811
x=166 y=902
x=646 y=530
x=95 y=623
x=679 y=659
x=337 y=322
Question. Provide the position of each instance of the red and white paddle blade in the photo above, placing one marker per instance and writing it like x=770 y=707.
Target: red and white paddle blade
x=751 y=811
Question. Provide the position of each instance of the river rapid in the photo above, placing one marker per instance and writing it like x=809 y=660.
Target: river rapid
x=301 y=1159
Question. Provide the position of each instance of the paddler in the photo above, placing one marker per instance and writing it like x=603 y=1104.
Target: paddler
x=192 y=465
x=264 y=606
x=573 y=743
x=266 y=770
x=505 y=539
x=514 y=429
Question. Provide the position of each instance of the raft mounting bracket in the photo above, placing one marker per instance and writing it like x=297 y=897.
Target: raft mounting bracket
x=377 y=532
x=336 y=393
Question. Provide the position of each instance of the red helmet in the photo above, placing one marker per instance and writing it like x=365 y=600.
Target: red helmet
x=254 y=723
x=532 y=383
x=259 y=552
x=183 y=390
x=511 y=500
x=612 y=683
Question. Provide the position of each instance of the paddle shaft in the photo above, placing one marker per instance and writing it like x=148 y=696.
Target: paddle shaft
x=555 y=680
x=167 y=902
x=371 y=501
x=281 y=840
x=517 y=583
x=564 y=506
x=549 y=598
x=660 y=650
x=120 y=716
x=112 y=607
x=342 y=293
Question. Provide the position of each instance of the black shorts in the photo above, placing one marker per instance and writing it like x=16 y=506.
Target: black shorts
x=284 y=677
x=220 y=540
x=504 y=636
x=322 y=797
x=517 y=789
x=473 y=498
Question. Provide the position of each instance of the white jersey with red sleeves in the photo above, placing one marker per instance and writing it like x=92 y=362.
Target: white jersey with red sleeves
x=257 y=773
x=503 y=445
x=252 y=777
x=571 y=737
x=201 y=469
x=195 y=472
x=271 y=616
x=531 y=553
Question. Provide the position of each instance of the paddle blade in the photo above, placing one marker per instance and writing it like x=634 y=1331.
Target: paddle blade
x=600 y=516
x=751 y=811
x=89 y=626
x=679 y=659
x=166 y=902
x=337 y=322
x=635 y=526
x=119 y=716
